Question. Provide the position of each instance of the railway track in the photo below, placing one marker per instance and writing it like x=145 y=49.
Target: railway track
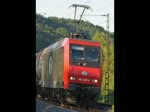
x=96 y=107
x=42 y=106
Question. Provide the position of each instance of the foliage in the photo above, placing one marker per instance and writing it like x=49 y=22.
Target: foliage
x=112 y=110
x=62 y=32
x=108 y=65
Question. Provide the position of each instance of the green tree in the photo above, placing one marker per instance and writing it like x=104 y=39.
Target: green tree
x=107 y=65
x=62 y=32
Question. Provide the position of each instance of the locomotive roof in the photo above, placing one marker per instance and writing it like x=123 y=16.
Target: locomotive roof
x=62 y=42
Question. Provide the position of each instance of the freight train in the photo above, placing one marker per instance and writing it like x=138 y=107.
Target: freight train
x=69 y=70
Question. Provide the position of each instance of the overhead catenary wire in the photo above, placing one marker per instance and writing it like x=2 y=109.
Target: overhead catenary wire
x=87 y=2
x=104 y=8
x=100 y=15
x=84 y=19
x=105 y=21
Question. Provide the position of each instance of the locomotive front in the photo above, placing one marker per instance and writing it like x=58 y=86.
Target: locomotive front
x=85 y=60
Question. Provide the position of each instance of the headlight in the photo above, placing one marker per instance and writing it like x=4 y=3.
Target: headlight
x=94 y=80
x=72 y=78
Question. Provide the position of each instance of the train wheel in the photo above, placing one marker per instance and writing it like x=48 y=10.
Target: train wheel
x=70 y=97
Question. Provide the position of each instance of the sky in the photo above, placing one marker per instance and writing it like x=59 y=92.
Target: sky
x=60 y=9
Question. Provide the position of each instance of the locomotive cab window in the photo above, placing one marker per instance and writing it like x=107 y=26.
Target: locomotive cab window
x=92 y=54
x=82 y=55
x=77 y=52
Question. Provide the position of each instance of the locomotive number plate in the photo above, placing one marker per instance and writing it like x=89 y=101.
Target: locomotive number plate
x=83 y=79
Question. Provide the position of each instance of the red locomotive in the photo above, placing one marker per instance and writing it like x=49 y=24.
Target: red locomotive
x=69 y=70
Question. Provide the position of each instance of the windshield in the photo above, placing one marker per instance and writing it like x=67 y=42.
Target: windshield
x=83 y=55
x=92 y=54
x=77 y=52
